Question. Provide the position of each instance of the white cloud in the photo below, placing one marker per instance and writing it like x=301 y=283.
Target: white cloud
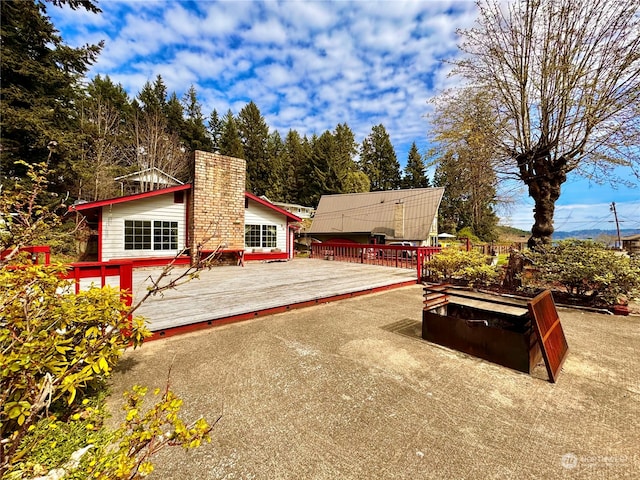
x=271 y=31
x=308 y=65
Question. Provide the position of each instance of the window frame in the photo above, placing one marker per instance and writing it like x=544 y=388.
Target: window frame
x=156 y=235
x=137 y=235
x=260 y=235
x=165 y=235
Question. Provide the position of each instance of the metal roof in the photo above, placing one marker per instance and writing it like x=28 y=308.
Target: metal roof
x=379 y=213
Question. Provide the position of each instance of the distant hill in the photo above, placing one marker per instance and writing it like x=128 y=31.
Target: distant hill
x=595 y=234
x=607 y=236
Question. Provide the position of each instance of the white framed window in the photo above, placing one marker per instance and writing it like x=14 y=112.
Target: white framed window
x=165 y=235
x=138 y=235
x=260 y=236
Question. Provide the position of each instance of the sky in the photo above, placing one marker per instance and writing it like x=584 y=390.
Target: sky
x=310 y=65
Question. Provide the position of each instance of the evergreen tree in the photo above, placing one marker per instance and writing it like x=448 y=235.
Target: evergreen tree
x=230 y=143
x=39 y=89
x=174 y=112
x=280 y=167
x=331 y=168
x=254 y=132
x=299 y=154
x=153 y=96
x=414 y=171
x=378 y=160
x=215 y=129
x=194 y=133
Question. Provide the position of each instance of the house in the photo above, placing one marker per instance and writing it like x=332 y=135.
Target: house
x=146 y=180
x=298 y=210
x=213 y=212
x=631 y=244
x=379 y=217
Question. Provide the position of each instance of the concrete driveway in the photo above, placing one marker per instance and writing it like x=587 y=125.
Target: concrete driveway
x=346 y=391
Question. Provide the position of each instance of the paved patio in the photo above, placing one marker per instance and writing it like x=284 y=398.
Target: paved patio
x=348 y=390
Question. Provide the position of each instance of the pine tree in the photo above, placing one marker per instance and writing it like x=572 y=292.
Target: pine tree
x=253 y=131
x=299 y=153
x=280 y=166
x=414 y=171
x=378 y=160
x=194 y=133
x=153 y=96
x=215 y=129
x=230 y=143
x=39 y=89
x=174 y=112
x=331 y=168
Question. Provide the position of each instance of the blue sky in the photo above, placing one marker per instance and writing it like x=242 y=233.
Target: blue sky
x=311 y=65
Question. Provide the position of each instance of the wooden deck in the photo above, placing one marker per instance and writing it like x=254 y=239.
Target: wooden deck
x=231 y=293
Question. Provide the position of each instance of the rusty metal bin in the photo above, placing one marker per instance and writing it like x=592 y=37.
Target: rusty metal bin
x=500 y=332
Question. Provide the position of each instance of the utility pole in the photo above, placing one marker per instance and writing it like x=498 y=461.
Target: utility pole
x=615 y=216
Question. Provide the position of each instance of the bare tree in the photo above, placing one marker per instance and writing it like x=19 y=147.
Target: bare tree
x=564 y=80
x=103 y=112
x=156 y=146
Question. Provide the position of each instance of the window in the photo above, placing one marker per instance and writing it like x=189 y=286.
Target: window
x=252 y=235
x=260 y=236
x=269 y=238
x=137 y=235
x=165 y=235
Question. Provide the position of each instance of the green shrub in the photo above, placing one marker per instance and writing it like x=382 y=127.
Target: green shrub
x=589 y=269
x=56 y=350
x=471 y=266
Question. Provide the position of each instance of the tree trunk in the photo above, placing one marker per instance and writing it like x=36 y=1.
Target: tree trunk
x=544 y=190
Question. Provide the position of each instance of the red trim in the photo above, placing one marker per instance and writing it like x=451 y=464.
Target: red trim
x=138 y=262
x=187 y=225
x=169 y=332
x=100 y=235
x=249 y=256
x=128 y=198
x=270 y=205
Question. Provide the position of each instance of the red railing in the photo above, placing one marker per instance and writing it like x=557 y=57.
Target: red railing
x=116 y=274
x=37 y=253
x=399 y=256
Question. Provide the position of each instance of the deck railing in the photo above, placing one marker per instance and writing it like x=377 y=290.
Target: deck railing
x=399 y=256
x=118 y=275
x=40 y=254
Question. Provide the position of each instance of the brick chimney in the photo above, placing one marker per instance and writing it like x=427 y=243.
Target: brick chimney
x=398 y=220
x=216 y=216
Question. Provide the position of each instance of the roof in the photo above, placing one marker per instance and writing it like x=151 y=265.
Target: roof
x=138 y=196
x=127 y=198
x=152 y=174
x=631 y=237
x=376 y=213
